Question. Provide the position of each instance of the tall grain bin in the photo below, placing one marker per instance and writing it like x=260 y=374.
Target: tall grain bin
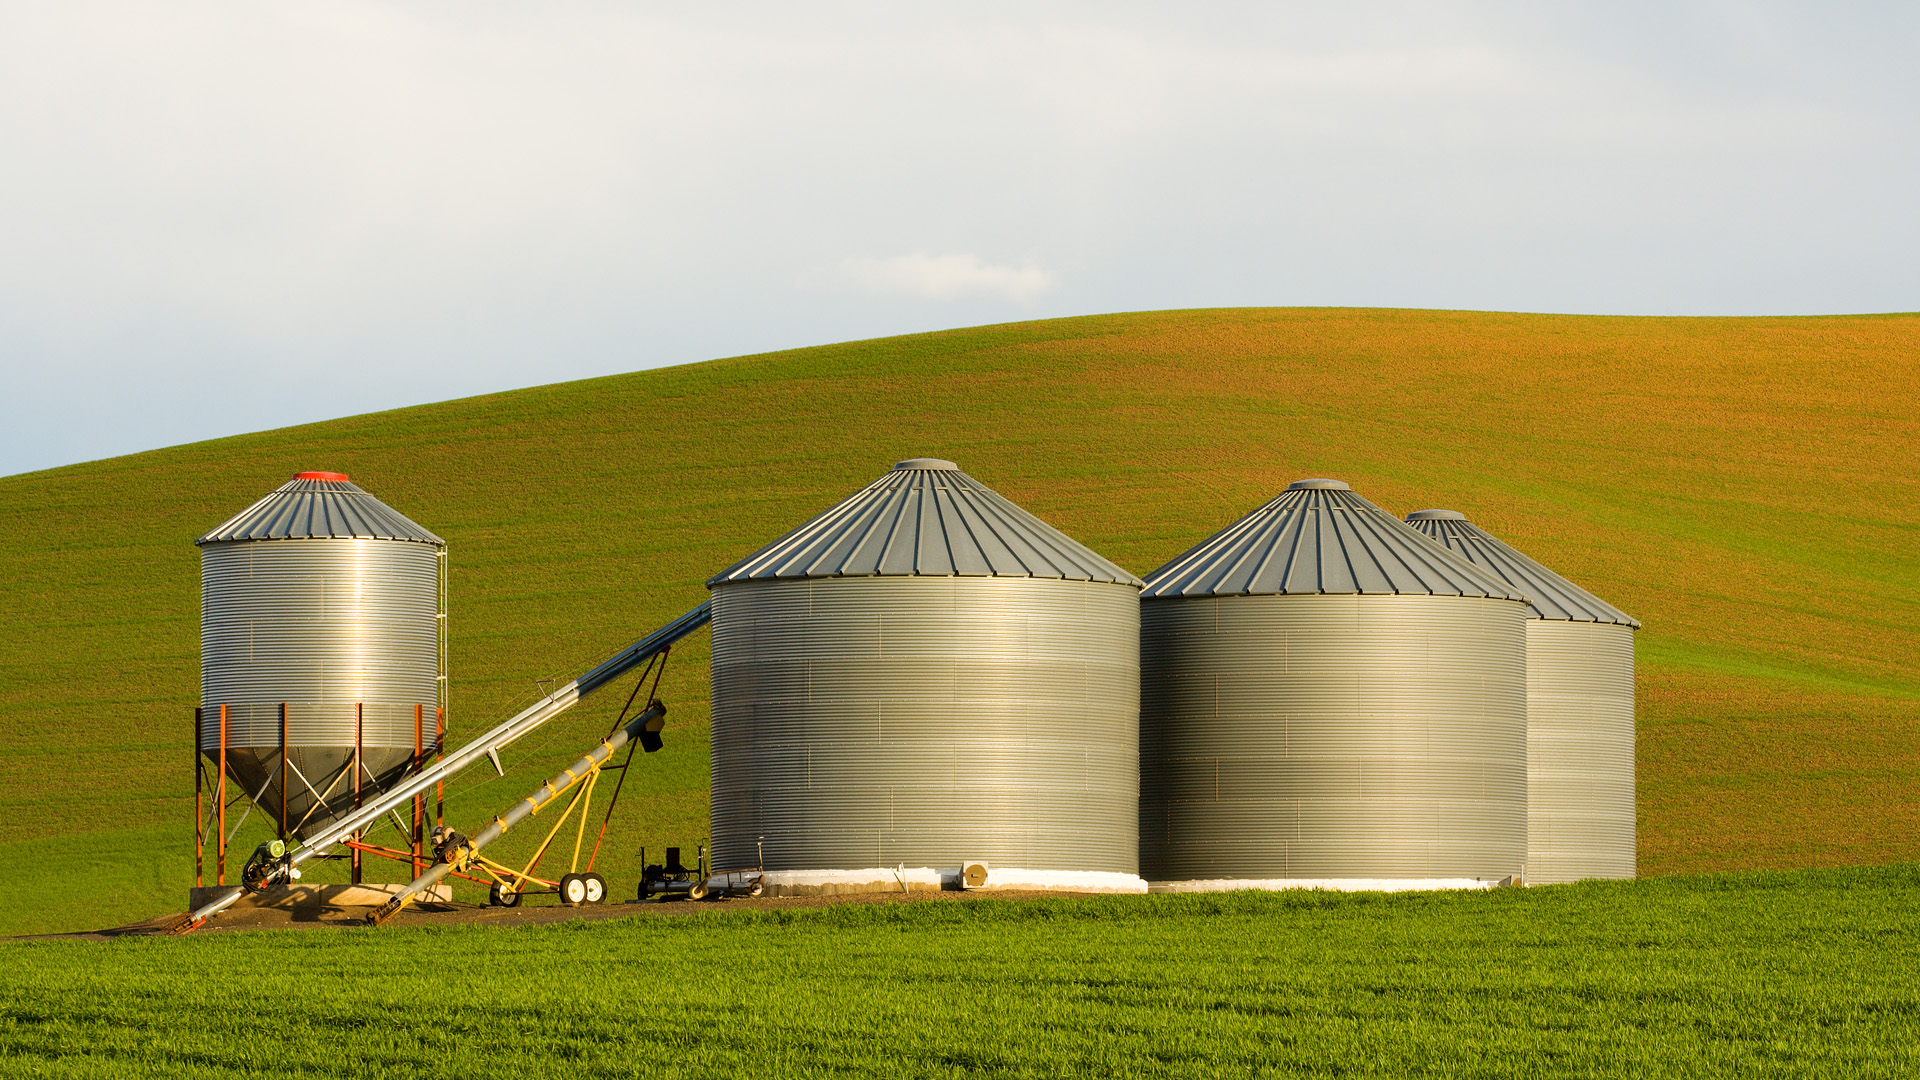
x=1580 y=805
x=1329 y=699
x=321 y=636
x=926 y=677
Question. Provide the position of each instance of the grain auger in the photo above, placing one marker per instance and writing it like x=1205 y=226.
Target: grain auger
x=285 y=867
x=457 y=854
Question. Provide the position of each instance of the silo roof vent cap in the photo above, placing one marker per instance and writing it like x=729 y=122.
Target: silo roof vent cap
x=925 y=463
x=331 y=477
x=1318 y=484
x=1436 y=515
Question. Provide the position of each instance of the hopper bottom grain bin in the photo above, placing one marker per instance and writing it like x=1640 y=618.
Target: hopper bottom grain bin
x=321 y=642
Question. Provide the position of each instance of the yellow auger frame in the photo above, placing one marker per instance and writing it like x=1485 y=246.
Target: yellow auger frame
x=508 y=882
x=454 y=853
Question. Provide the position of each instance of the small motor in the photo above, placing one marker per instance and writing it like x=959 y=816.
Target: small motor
x=449 y=846
x=266 y=864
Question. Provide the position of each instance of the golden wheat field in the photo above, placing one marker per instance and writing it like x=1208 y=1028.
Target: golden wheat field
x=1746 y=487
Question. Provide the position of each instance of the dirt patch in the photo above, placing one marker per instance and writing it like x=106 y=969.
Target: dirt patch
x=455 y=914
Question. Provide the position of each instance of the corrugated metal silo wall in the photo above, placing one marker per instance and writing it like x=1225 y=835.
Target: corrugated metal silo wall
x=1332 y=737
x=880 y=721
x=1580 y=786
x=321 y=625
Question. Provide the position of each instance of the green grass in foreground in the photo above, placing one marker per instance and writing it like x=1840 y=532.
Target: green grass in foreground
x=1807 y=973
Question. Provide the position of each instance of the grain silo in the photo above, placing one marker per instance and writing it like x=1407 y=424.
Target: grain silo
x=924 y=678
x=1330 y=699
x=322 y=631
x=1580 y=804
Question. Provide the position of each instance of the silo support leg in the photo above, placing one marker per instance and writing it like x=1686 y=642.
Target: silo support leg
x=220 y=804
x=418 y=835
x=359 y=737
x=199 y=825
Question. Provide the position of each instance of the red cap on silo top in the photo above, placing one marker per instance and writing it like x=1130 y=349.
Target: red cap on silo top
x=319 y=506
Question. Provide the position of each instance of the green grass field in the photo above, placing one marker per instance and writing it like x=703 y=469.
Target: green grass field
x=1806 y=973
x=1744 y=486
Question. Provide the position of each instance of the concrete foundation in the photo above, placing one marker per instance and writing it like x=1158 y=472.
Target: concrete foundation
x=905 y=879
x=1331 y=884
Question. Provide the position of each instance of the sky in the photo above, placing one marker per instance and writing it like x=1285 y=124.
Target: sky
x=218 y=217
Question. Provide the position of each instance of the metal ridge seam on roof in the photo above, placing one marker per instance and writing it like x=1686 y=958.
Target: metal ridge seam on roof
x=308 y=509
x=936 y=522
x=1552 y=596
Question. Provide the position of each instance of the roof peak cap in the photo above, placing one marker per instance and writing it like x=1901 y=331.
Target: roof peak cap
x=1436 y=515
x=931 y=464
x=1319 y=483
x=330 y=477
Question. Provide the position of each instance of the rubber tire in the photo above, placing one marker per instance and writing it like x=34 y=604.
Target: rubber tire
x=573 y=889
x=644 y=892
x=698 y=891
x=756 y=889
x=498 y=898
x=596 y=887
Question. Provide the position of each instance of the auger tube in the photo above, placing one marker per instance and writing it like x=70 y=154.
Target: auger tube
x=530 y=718
x=562 y=782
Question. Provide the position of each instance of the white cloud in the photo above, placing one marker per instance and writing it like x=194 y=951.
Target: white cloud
x=945 y=277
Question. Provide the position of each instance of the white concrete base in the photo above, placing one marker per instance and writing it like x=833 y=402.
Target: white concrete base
x=1329 y=884
x=307 y=897
x=897 y=879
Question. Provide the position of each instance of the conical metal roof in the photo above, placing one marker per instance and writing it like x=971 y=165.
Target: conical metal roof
x=925 y=517
x=1318 y=536
x=1551 y=596
x=320 y=505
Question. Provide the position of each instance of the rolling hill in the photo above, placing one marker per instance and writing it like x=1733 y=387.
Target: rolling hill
x=1744 y=486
